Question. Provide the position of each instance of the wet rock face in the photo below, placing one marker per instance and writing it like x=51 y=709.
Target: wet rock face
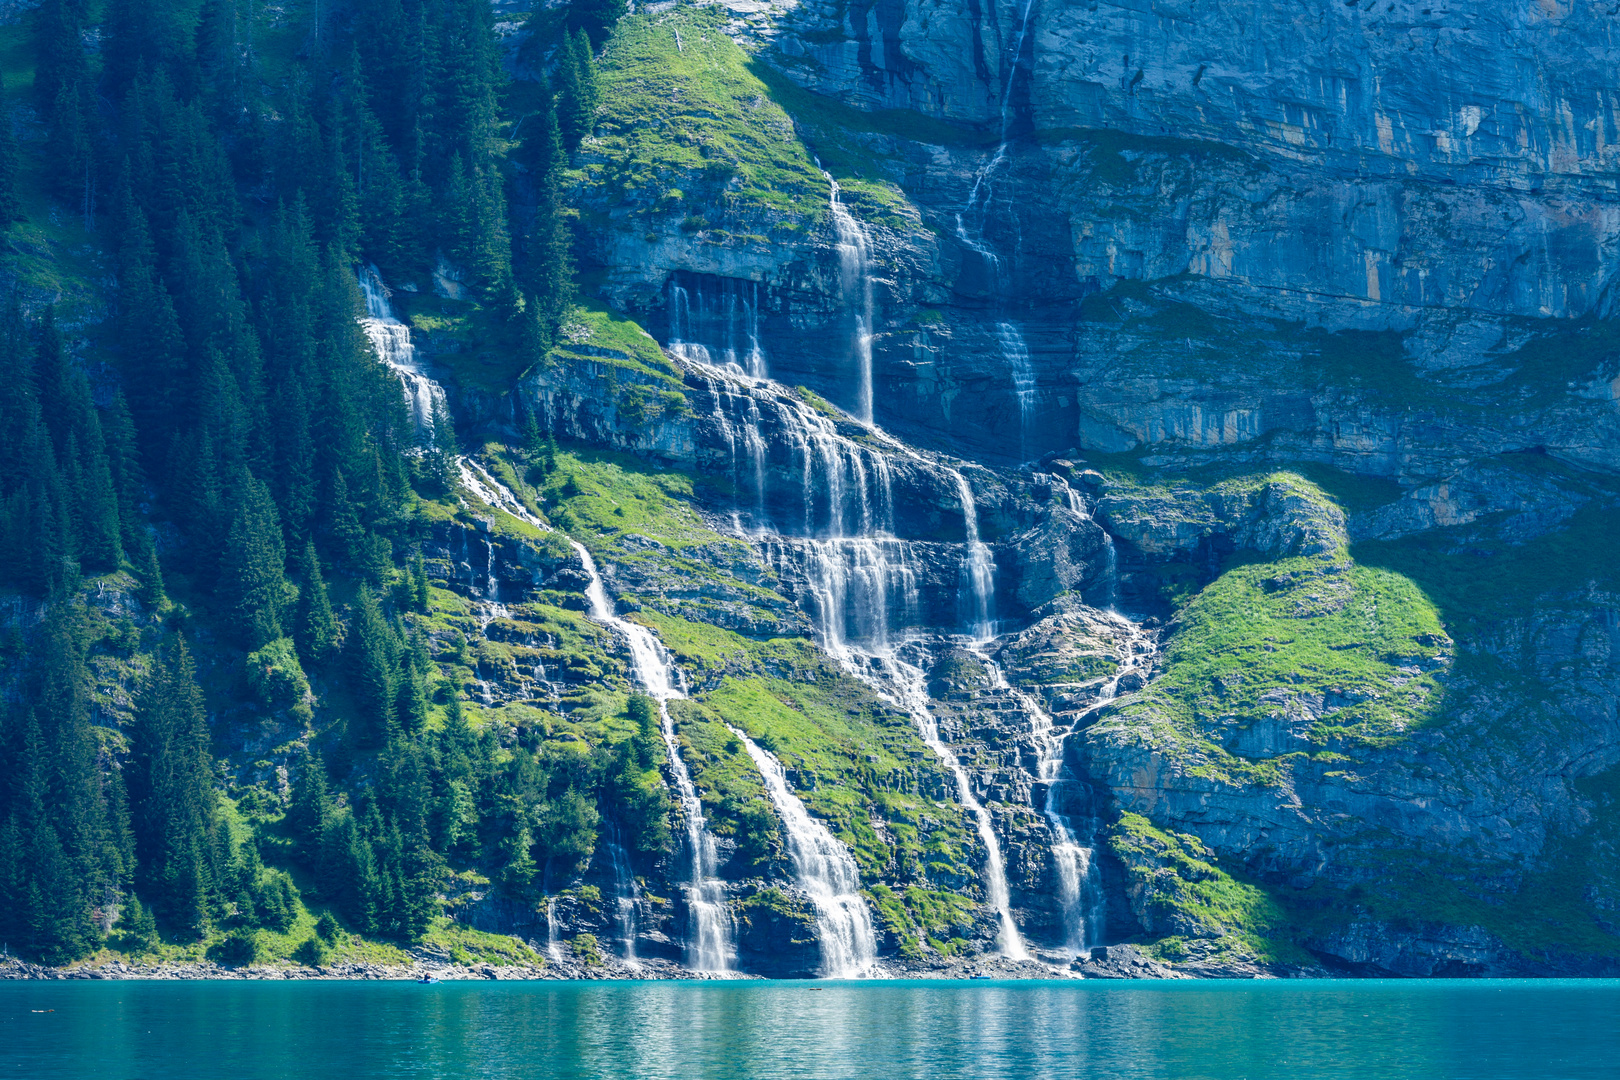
x=776 y=935
x=1450 y=211
x=1373 y=155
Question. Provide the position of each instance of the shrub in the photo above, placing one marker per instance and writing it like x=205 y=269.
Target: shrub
x=312 y=952
x=138 y=926
x=240 y=948
x=327 y=927
x=278 y=678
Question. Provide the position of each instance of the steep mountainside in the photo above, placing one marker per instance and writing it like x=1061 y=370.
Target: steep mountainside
x=1005 y=479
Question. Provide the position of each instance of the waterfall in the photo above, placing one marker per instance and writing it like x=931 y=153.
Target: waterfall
x=907 y=686
x=392 y=340
x=705 y=318
x=553 y=946
x=1080 y=898
x=626 y=895
x=709 y=948
x=1016 y=353
x=478 y=480
x=855 y=280
x=827 y=873
x=861 y=580
x=1013 y=348
x=1110 y=573
x=978 y=568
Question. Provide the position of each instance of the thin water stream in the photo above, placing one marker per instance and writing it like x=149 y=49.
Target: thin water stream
x=825 y=870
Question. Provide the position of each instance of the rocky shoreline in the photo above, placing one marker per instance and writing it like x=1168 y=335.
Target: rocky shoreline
x=1111 y=962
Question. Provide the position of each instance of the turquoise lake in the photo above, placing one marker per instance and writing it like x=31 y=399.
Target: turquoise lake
x=810 y=1031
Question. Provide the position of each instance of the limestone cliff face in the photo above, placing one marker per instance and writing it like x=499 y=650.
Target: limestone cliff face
x=1440 y=178
x=1196 y=241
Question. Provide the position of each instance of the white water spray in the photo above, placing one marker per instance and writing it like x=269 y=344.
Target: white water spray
x=825 y=870
x=855 y=279
x=392 y=340
x=859 y=576
x=553 y=946
x=627 y=894
x=978 y=568
x=704 y=330
x=709 y=946
x=907 y=686
x=1079 y=892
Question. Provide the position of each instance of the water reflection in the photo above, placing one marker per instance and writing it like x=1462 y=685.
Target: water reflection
x=802 y=1031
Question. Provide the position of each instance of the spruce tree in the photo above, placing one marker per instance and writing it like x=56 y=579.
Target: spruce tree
x=547 y=268
x=317 y=626
x=311 y=809
x=420 y=596
x=372 y=665
x=174 y=811
x=579 y=95
x=253 y=581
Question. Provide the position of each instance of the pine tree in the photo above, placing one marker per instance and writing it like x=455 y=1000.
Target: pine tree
x=172 y=798
x=420 y=595
x=311 y=808
x=150 y=342
x=547 y=267
x=372 y=664
x=253 y=581
x=579 y=93
x=317 y=626
x=412 y=702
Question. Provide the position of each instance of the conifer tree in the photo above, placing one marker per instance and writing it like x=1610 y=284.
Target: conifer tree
x=547 y=269
x=150 y=341
x=253 y=580
x=317 y=626
x=311 y=808
x=372 y=665
x=579 y=95
x=172 y=793
x=420 y=596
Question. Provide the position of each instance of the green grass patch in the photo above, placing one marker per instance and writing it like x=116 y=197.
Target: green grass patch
x=1181 y=892
x=1272 y=641
x=685 y=112
x=593 y=332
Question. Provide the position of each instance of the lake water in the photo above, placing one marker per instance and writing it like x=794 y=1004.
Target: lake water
x=810 y=1031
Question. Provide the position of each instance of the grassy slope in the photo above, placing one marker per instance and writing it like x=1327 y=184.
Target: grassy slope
x=864 y=763
x=688 y=129
x=1350 y=622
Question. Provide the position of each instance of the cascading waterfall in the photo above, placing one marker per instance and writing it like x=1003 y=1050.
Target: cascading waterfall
x=705 y=328
x=1016 y=352
x=978 y=568
x=907 y=686
x=627 y=895
x=709 y=948
x=1110 y=573
x=827 y=873
x=553 y=946
x=392 y=340
x=1079 y=882
x=855 y=280
x=854 y=580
